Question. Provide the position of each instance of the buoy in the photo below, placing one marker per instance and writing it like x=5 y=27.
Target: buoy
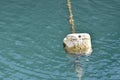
x=78 y=44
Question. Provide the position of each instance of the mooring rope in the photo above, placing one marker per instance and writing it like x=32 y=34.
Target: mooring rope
x=71 y=20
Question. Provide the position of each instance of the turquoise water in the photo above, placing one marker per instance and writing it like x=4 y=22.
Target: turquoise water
x=32 y=32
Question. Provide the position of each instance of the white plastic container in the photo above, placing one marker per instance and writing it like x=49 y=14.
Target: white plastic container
x=78 y=44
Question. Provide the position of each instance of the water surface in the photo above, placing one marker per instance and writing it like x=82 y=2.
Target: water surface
x=32 y=31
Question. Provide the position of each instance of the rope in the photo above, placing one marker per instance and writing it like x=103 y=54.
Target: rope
x=71 y=20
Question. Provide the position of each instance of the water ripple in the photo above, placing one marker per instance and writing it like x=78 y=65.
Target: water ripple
x=31 y=35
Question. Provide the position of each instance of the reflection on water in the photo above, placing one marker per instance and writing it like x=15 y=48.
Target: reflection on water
x=78 y=68
x=78 y=63
x=79 y=71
